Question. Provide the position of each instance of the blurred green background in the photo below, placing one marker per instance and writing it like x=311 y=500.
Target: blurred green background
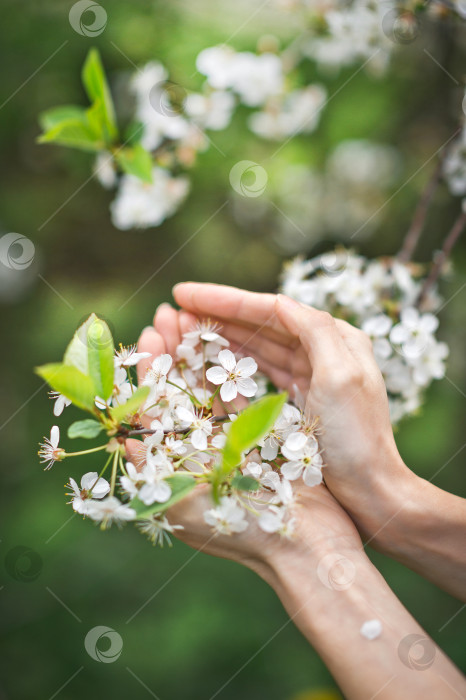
x=208 y=623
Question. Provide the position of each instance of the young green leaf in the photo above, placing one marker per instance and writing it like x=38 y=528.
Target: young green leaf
x=70 y=382
x=96 y=86
x=75 y=133
x=118 y=413
x=55 y=115
x=250 y=426
x=181 y=485
x=244 y=483
x=76 y=354
x=135 y=160
x=85 y=429
x=100 y=357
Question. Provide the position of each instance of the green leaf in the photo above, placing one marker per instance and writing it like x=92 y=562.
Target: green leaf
x=75 y=133
x=70 y=382
x=135 y=160
x=250 y=426
x=118 y=413
x=54 y=116
x=85 y=429
x=76 y=353
x=96 y=86
x=100 y=357
x=133 y=133
x=245 y=483
x=181 y=485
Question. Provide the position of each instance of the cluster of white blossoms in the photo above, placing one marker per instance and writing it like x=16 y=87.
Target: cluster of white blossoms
x=171 y=128
x=259 y=80
x=381 y=297
x=301 y=204
x=191 y=402
x=340 y=33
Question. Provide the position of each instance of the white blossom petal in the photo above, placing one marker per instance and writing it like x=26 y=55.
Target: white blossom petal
x=216 y=375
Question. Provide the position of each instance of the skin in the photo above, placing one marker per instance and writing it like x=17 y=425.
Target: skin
x=333 y=365
x=322 y=575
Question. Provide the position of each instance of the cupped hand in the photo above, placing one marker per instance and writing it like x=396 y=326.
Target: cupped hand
x=333 y=365
x=322 y=526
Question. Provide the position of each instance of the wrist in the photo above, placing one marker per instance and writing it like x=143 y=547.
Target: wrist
x=377 y=494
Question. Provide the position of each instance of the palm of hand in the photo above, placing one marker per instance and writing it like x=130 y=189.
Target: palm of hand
x=321 y=522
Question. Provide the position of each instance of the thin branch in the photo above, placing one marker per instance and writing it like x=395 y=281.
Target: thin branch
x=455 y=233
x=148 y=431
x=417 y=225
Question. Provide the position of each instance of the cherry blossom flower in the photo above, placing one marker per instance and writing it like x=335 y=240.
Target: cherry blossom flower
x=234 y=377
x=158 y=529
x=49 y=451
x=414 y=332
x=61 y=402
x=305 y=461
x=139 y=204
x=273 y=520
x=201 y=427
x=226 y=518
x=109 y=510
x=91 y=487
x=128 y=357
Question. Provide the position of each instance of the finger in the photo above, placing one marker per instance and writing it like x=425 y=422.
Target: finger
x=223 y=302
x=281 y=356
x=318 y=333
x=280 y=377
x=186 y=321
x=149 y=341
x=358 y=342
x=166 y=323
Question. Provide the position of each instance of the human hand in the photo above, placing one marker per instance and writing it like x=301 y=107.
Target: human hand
x=322 y=527
x=333 y=365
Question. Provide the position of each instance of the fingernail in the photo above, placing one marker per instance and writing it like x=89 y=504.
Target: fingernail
x=147 y=328
x=180 y=284
x=164 y=305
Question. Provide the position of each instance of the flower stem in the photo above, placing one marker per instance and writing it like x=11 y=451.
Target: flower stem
x=455 y=233
x=114 y=472
x=84 y=452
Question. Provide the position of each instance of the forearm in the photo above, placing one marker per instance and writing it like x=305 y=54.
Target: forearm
x=425 y=528
x=329 y=607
